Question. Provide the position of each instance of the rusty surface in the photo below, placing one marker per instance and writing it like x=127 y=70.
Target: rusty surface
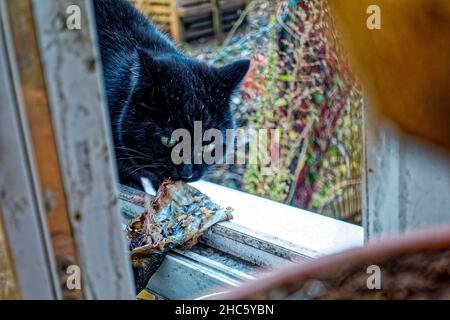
x=43 y=138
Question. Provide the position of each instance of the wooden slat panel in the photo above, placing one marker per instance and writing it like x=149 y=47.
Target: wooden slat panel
x=159 y=9
x=161 y=23
x=146 y=2
x=23 y=222
x=186 y=3
x=207 y=7
x=167 y=2
x=194 y=34
x=8 y=285
x=176 y=27
x=161 y=18
x=175 y=13
x=205 y=22
x=72 y=71
x=206 y=17
x=43 y=140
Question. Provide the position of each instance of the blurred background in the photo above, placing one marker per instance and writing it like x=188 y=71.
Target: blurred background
x=299 y=82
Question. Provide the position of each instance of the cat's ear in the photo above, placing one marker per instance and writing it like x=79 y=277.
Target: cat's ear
x=232 y=74
x=151 y=69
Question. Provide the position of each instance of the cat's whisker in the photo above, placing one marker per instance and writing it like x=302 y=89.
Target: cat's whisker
x=141 y=168
x=131 y=150
x=136 y=158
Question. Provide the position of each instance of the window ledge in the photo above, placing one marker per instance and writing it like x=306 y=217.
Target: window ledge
x=285 y=224
x=262 y=235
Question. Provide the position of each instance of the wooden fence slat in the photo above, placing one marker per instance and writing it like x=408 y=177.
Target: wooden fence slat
x=43 y=139
x=176 y=27
x=8 y=283
x=177 y=13
x=159 y=9
x=207 y=7
x=23 y=222
x=72 y=70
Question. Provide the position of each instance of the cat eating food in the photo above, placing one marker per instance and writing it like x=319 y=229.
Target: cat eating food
x=177 y=216
x=152 y=90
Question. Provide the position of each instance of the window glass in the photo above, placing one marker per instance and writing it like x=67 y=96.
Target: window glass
x=299 y=83
x=299 y=97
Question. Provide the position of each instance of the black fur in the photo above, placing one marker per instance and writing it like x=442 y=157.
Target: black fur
x=153 y=89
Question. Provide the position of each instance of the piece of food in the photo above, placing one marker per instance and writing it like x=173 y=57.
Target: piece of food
x=177 y=216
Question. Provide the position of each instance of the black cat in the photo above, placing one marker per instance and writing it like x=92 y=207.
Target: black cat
x=153 y=89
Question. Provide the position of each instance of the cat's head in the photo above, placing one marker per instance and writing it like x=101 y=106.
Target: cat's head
x=171 y=93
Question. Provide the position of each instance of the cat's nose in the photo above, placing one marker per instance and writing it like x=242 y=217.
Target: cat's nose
x=186 y=171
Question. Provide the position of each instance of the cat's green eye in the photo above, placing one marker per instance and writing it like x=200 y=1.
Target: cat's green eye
x=167 y=142
x=209 y=147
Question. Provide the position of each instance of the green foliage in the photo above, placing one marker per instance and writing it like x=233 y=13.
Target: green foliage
x=299 y=83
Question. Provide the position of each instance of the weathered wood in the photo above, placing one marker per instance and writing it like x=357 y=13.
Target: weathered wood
x=71 y=65
x=21 y=209
x=172 y=16
x=189 y=2
x=217 y=21
x=37 y=110
x=176 y=27
x=8 y=284
x=159 y=9
x=207 y=7
x=194 y=34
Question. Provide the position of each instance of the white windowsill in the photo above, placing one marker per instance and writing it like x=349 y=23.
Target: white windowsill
x=262 y=236
x=300 y=227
